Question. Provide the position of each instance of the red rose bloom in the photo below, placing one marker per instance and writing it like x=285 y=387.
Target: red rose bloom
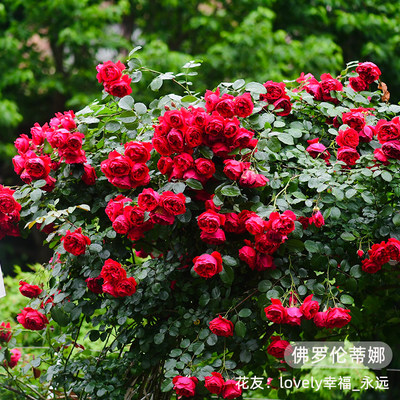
x=277 y=347
x=28 y=290
x=126 y=287
x=284 y=105
x=294 y=316
x=233 y=169
x=349 y=138
x=185 y=386
x=210 y=221
x=112 y=272
x=32 y=319
x=309 y=308
x=208 y=265
x=75 y=243
x=368 y=72
x=165 y=165
x=15 y=356
x=8 y=204
x=248 y=255
x=276 y=312
x=275 y=90
x=225 y=107
x=348 y=155
x=317 y=219
x=138 y=151
x=215 y=125
x=358 y=84
x=388 y=130
x=316 y=149
x=173 y=203
x=109 y=71
x=337 y=317
x=370 y=266
x=231 y=390
x=89 y=175
x=95 y=284
x=115 y=207
x=263 y=262
x=221 y=327
x=148 y=200
x=393 y=249
x=175 y=119
x=243 y=105
x=193 y=136
x=216 y=238
x=214 y=383
x=204 y=167
x=354 y=119
x=329 y=84
x=119 y=88
x=320 y=319
x=391 y=149
x=5 y=332
x=282 y=223
x=378 y=253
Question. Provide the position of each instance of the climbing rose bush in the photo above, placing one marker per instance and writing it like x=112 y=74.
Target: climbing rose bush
x=197 y=235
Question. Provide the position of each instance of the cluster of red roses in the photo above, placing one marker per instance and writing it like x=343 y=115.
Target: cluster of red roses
x=332 y=318
x=179 y=132
x=320 y=90
x=153 y=208
x=240 y=171
x=75 y=242
x=348 y=139
x=368 y=72
x=5 y=337
x=388 y=134
x=128 y=171
x=110 y=75
x=276 y=95
x=186 y=386
x=112 y=280
x=9 y=213
x=33 y=164
x=379 y=254
x=269 y=235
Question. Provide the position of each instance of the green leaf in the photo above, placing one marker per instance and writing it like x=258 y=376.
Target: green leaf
x=126 y=103
x=346 y=299
x=264 y=286
x=97 y=248
x=386 y=176
x=156 y=83
x=240 y=329
x=356 y=271
x=350 y=193
x=159 y=338
x=311 y=246
x=244 y=313
x=272 y=294
x=286 y=138
x=227 y=275
x=245 y=356
x=256 y=87
x=230 y=191
x=335 y=213
x=229 y=260
x=338 y=193
x=319 y=289
x=396 y=219
x=60 y=316
x=140 y=108
x=347 y=236
x=302 y=290
x=36 y=195
x=194 y=184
